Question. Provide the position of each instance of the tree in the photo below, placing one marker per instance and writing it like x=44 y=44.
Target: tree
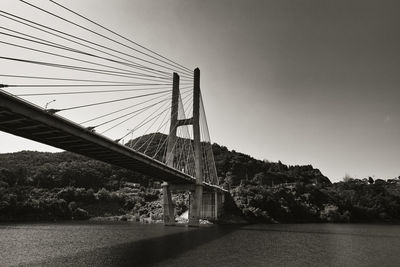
x=45 y=176
x=347 y=178
x=260 y=178
x=7 y=176
x=370 y=180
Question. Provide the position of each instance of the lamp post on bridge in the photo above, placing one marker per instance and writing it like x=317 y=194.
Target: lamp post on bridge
x=130 y=142
x=48 y=103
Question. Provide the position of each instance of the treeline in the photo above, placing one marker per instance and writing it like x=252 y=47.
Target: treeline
x=352 y=200
x=234 y=167
x=43 y=186
x=26 y=203
x=274 y=192
x=52 y=186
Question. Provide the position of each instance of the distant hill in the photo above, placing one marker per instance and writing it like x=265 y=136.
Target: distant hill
x=232 y=167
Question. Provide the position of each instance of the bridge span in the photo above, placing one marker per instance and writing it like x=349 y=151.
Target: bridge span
x=21 y=118
x=73 y=65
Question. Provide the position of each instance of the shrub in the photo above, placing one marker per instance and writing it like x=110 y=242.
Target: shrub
x=72 y=206
x=103 y=194
x=331 y=213
x=80 y=214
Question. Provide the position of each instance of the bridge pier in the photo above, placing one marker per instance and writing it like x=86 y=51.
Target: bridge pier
x=168 y=206
x=210 y=209
x=195 y=205
x=212 y=205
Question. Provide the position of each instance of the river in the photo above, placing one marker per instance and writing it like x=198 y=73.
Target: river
x=131 y=244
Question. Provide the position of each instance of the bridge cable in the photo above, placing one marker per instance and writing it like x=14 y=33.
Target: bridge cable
x=122 y=109
x=127 y=72
x=154 y=134
x=127 y=39
x=110 y=101
x=88 y=92
x=85 y=85
x=112 y=127
x=148 y=128
x=164 y=129
x=51 y=44
x=70 y=67
x=101 y=35
x=211 y=160
x=70 y=40
x=145 y=119
x=81 y=39
x=130 y=113
x=119 y=110
x=79 y=80
x=130 y=64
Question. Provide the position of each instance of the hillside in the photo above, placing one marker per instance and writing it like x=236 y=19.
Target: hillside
x=234 y=167
x=48 y=186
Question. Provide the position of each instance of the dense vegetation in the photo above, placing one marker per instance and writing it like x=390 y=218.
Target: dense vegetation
x=46 y=186
x=352 y=200
x=50 y=186
x=274 y=192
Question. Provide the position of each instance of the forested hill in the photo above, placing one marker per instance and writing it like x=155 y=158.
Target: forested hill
x=48 y=170
x=234 y=167
x=43 y=186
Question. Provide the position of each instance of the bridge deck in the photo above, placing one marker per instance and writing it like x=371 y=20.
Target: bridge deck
x=24 y=119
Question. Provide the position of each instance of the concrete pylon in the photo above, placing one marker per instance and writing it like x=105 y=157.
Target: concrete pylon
x=168 y=206
x=196 y=204
x=170 y=156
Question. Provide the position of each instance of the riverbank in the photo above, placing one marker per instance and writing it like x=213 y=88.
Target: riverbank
x=250 y=203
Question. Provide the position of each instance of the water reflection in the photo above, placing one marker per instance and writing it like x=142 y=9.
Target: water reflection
x=145 y=252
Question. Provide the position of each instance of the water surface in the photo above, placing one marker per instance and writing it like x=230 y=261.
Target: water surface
x=130 y=244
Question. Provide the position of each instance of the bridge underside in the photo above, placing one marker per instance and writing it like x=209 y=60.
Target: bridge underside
x=23 y=119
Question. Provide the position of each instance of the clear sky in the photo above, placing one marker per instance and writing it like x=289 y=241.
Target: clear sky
x=301 y=81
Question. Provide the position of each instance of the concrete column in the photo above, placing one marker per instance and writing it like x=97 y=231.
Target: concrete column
x=196 y=206
x=216 y=205
x=168 y=207
x=174 y=122
x=198 y=194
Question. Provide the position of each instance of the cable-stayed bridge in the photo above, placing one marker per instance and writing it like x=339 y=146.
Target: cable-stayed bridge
x=72 y=83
